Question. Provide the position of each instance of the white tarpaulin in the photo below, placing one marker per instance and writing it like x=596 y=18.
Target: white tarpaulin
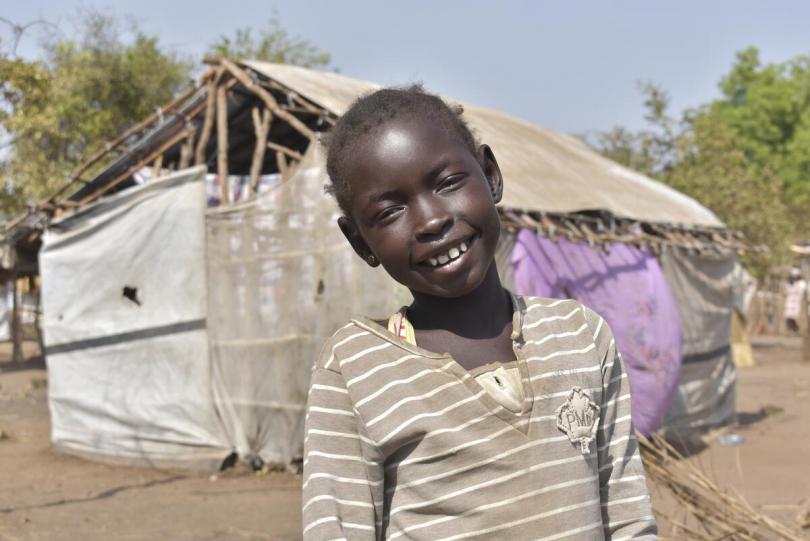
x=6 y=307
x=703 y=286
x=124 y=321
x=282 y=278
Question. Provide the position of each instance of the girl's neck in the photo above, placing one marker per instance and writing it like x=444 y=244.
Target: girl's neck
x=482 y=313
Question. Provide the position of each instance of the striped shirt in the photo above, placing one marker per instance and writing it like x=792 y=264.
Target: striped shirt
x=403 y=443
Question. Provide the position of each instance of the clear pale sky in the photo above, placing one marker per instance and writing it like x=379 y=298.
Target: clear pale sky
x=571 y=66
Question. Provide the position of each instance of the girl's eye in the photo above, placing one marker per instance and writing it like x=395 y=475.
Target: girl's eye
x=451 y=182
x=387 y=213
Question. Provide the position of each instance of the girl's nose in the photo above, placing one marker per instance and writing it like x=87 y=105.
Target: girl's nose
x=435 y=223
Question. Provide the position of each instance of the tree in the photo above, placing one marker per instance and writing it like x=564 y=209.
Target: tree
x=58 y=110
x=271 y=44
x=712 y=168
x=745 y=155
x=768 y=107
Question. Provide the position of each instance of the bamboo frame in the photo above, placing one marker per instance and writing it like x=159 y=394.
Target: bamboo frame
x=269 y=101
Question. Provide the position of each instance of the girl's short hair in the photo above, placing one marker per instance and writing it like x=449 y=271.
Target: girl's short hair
x=369 y=113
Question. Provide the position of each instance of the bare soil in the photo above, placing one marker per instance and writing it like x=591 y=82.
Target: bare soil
x=49 y=496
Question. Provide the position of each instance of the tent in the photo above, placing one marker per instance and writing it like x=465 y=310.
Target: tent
x=220 y=364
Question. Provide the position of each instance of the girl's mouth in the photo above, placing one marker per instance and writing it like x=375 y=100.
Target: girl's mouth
x=451 y=255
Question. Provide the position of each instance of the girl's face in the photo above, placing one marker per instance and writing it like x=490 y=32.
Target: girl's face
x=424 y=206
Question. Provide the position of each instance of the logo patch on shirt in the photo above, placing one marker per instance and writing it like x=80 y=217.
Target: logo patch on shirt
x=578 y=417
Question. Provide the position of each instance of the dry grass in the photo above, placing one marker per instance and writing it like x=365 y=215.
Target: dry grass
x=711 y=512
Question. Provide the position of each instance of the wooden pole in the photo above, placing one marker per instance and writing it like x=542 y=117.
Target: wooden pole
x=268 y=99
x=186 y=152
x=281 y=162
x=16 y=327
x=128 y=173
x=208 y=123
x=112 y=145
x=804 y=325
x=157 y=167
x=222 y=143
x=261 y=126
x=281 y=148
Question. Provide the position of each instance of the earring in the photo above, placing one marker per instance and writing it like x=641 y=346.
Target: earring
x=372 y=260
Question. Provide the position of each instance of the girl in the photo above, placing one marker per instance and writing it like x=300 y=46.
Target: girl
x=471 y=413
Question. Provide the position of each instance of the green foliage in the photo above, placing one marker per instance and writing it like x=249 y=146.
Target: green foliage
x=745 y=155
x=768 y=107
x=271 y=44
x=712 y=168
x=59 y=110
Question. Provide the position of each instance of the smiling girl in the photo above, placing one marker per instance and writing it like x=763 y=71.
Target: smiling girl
x=473 y=412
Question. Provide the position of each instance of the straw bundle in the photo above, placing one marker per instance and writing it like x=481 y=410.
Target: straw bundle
x=712 y=512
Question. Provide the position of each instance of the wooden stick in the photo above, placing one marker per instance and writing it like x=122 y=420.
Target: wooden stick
x=16 y=323
x=156 y=168
x=261 y=126
x=303 y=102
x=186 y=151
x=222 y=143
x=269 y=101
x=112 y=145
x=208 y=123
x=128 y=173
x=281 y=162
x=281 y=148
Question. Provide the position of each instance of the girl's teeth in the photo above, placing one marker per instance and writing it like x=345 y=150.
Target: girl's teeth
x=433 y=261
x=454 y=253
x=443 y=259
x=463 y=247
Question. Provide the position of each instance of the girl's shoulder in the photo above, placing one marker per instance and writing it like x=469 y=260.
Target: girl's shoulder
x=559 y=314
x=356 y=339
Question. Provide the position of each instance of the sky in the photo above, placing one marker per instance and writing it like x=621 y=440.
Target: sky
x=569 y=66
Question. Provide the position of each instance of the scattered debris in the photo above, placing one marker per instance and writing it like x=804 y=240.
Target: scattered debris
x=213 y=477
x=803 y=518
x=771 y=409
x=717 y=513
x=731 y=439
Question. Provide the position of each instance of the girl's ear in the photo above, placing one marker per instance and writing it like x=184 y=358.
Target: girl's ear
x=491 y=171
x=352 y=234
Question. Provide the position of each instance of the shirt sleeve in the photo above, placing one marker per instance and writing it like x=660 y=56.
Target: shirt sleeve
x=625 y=501
x=343 y=474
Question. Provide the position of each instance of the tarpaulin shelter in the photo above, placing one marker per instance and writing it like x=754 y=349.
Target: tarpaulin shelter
x=272 y=276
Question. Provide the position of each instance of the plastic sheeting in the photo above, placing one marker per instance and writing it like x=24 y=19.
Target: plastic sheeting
x=627 y=288
x=124 y=321
x=703 y=285
x=544 y=170
x=282 y=278
x=6 y=307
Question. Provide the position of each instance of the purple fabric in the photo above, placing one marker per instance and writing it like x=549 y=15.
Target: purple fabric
x=626 y=287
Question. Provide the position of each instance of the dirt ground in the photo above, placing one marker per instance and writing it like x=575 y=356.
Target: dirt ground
x=49 y=496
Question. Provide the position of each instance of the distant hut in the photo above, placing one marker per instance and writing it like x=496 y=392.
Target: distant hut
x=191 y=270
